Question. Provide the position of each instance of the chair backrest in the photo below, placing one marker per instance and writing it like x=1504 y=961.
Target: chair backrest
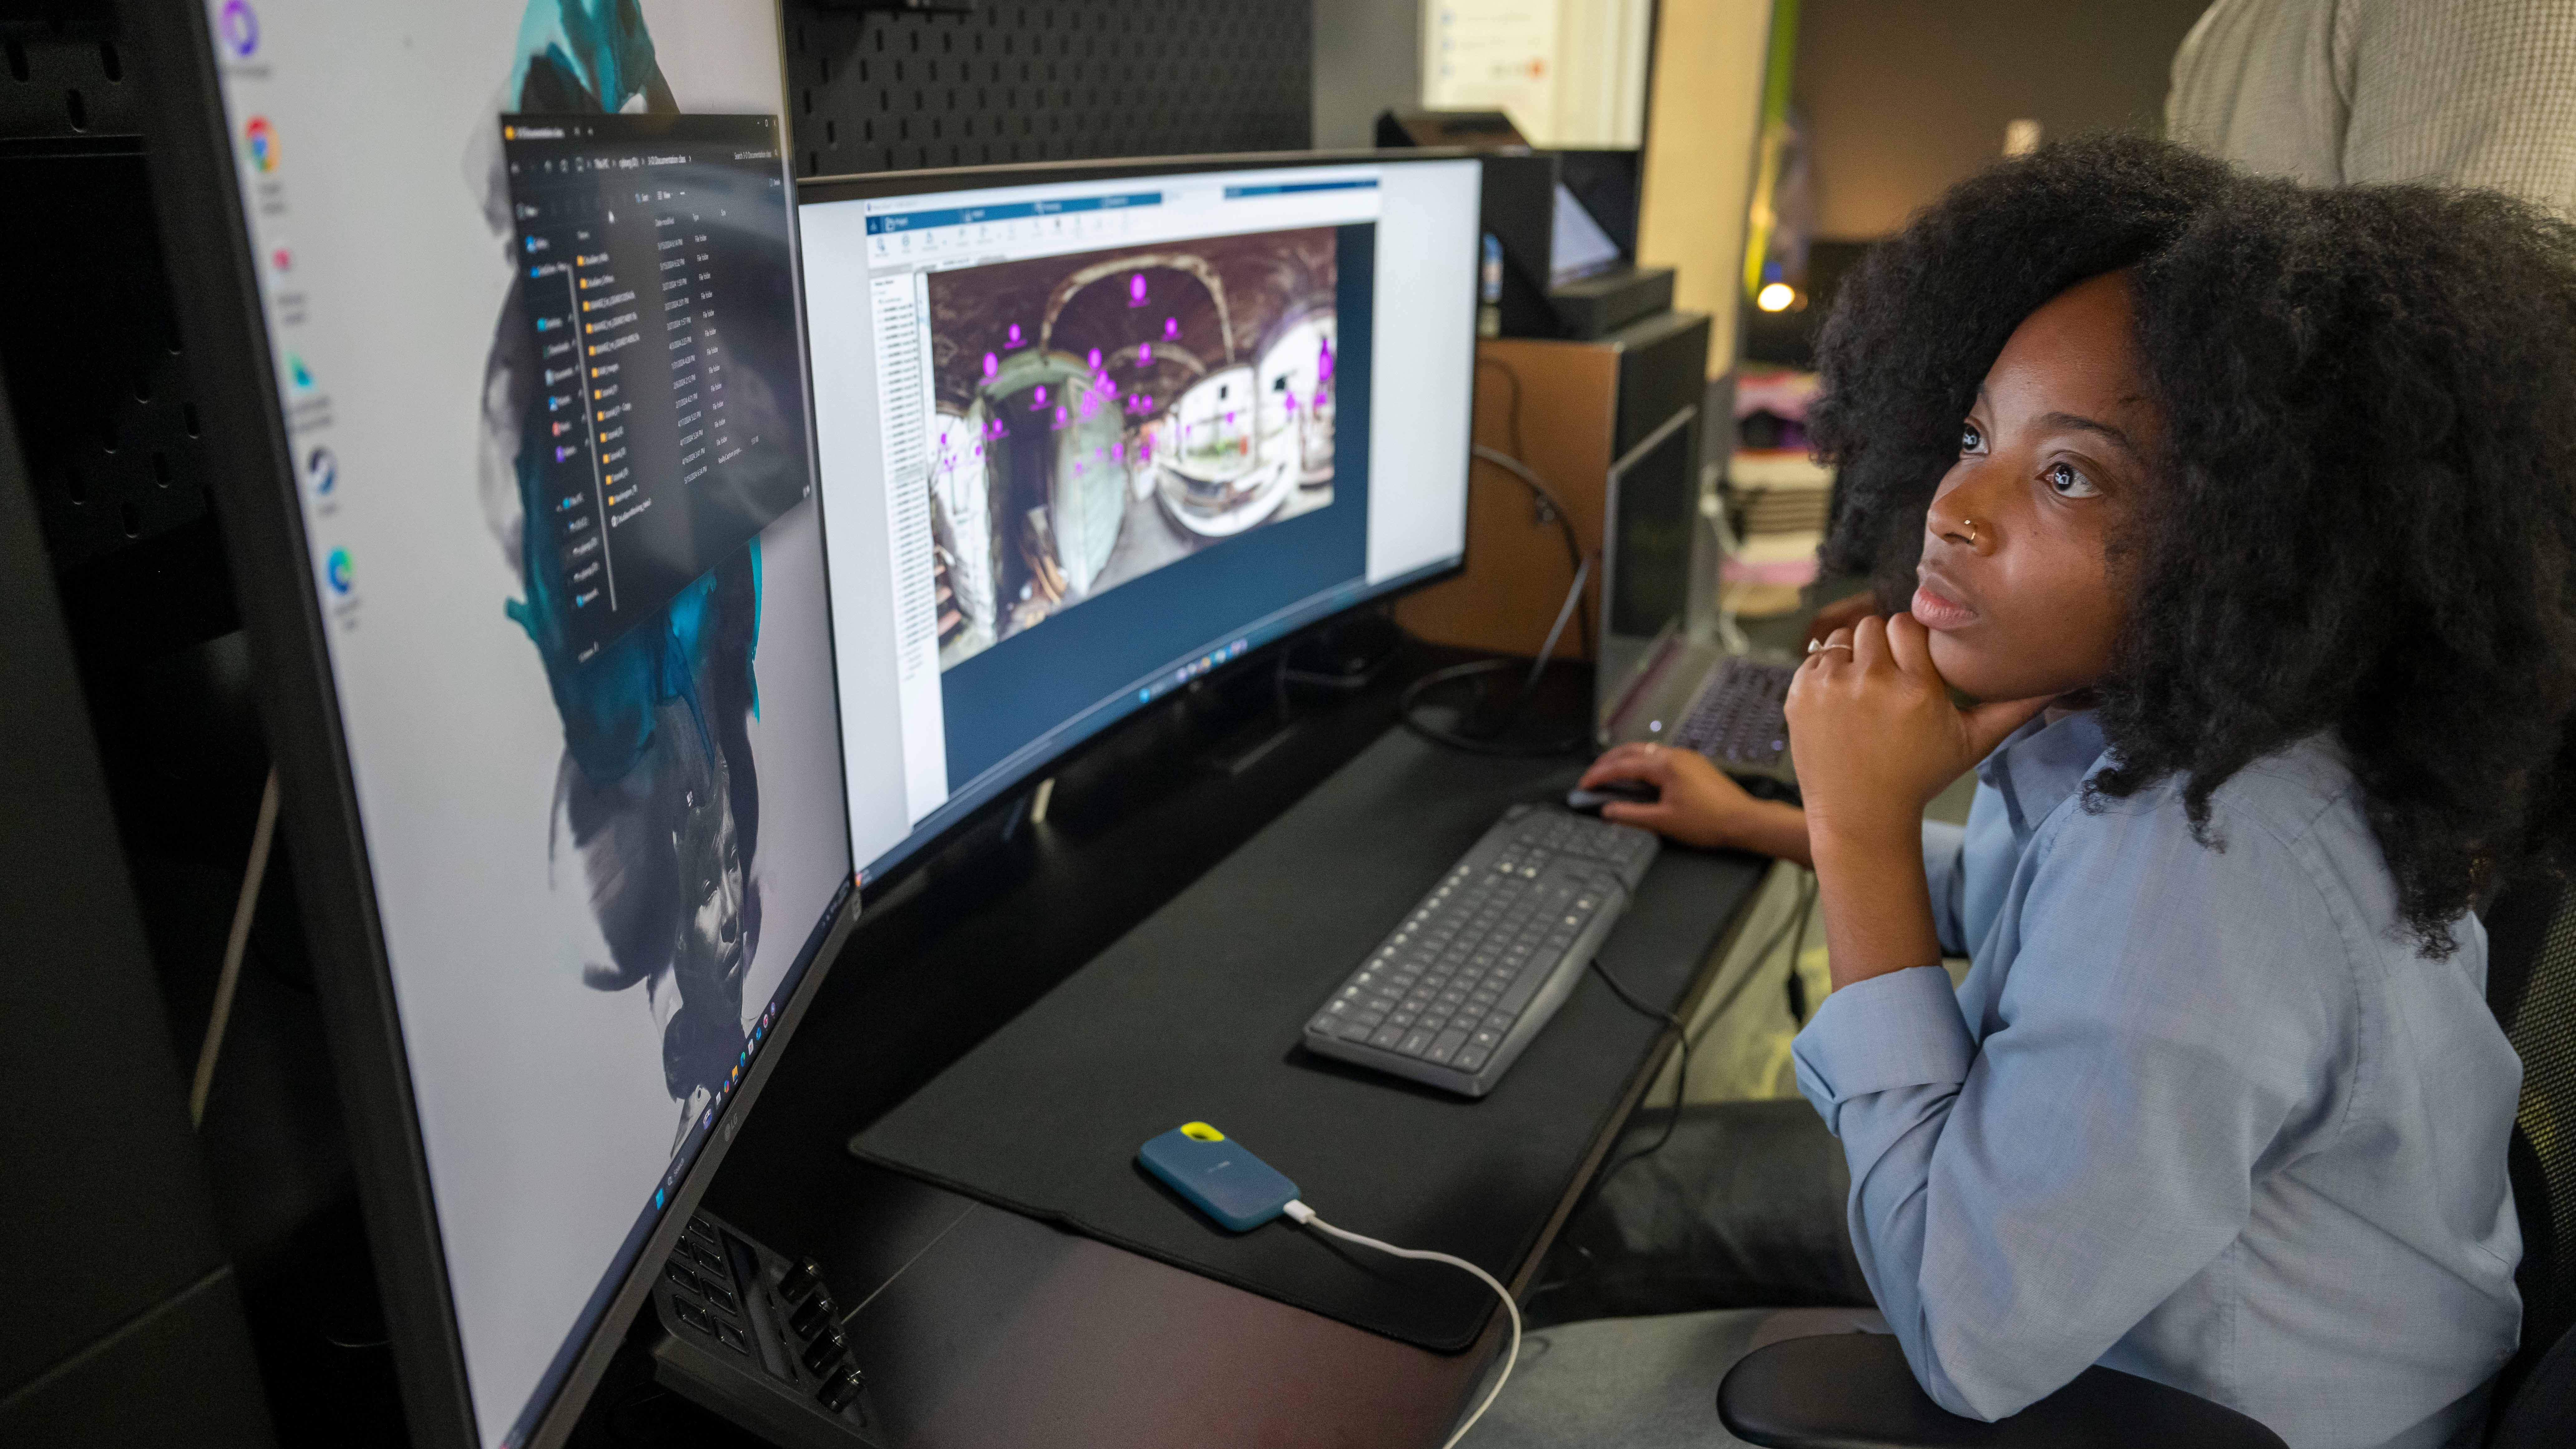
x=2531 y=984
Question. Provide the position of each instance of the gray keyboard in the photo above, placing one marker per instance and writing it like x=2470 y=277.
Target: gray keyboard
x=1481 y=962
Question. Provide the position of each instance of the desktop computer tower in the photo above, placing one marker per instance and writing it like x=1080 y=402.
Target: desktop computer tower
x=1613 y=427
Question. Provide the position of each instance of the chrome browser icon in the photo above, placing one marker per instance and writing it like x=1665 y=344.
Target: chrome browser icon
x=262 y=139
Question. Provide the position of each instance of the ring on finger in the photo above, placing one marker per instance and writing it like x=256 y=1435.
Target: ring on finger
x=1815 y=646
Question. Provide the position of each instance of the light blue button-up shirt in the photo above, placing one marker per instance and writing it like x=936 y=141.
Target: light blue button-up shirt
x=2201 y=1115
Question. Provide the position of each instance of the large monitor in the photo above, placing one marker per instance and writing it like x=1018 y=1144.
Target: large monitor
x=496 y=321
x=1088 y=432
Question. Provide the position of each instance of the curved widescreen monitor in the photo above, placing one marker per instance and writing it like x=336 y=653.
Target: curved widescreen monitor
x=1087 y=432
x=501 y=335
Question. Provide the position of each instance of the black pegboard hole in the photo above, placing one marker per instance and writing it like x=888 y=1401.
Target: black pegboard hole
x=107 y=436
x=133 y=520
x=109 y=62
x=188 y=418
x=160 y=470
x=78 y=111
x=75 y=488
x=143 y=389
x=17 y=61
x=831 y=133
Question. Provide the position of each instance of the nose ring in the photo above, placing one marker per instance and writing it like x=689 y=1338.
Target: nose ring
x=1970 y=524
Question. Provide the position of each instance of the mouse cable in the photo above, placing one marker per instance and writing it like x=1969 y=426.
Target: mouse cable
x=1681 y=1082
x=1304 y=1216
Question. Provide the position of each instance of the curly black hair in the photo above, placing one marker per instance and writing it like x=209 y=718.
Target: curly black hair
x=2364 y=521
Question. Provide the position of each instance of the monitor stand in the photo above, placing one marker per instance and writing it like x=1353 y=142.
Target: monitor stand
x=757 y=1339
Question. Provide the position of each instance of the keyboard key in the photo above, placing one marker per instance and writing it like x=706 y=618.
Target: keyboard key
x=1415 y=1041
x=1446 y=1047
x=1521 y=991
x=1470 y=1058
x=1360 y=1030
x=1386 y=1036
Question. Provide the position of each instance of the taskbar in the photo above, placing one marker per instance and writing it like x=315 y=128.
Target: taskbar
x=621 y=1265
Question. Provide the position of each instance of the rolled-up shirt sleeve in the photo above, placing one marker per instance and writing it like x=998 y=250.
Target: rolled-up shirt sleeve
x=2020 y=1202
x=1945 y=849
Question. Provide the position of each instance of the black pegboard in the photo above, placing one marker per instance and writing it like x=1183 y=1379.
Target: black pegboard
x=89 y=340
x=1046 y=80
x=92 y=355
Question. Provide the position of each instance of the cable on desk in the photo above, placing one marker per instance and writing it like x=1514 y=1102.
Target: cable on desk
x=1681 y=1083
x=1793 y=930
x=1797 y=985
x=1485 y=744
x=1304 y=1216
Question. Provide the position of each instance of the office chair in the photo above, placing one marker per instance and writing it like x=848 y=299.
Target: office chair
x=1854 y=1390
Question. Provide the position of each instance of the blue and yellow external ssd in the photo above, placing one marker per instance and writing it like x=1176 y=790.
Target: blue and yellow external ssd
x=1218 y=1176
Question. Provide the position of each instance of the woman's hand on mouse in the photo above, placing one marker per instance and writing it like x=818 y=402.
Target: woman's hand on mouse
x=1876 y=736
x=1699 y=805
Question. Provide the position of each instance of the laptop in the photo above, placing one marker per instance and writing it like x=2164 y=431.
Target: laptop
x=1701 y=695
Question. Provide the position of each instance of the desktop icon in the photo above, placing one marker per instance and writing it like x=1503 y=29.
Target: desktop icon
x=295 y=369
x=238 y=28
x=282 y=257
x=657 y=1197
x=262 y=139
x=336 y=569
x=321 y=472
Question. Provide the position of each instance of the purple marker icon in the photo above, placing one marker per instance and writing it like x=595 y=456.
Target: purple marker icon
x=1136 y=287
x=1093 y=358
x=1171 y=327
x=1145 y=354
x=992 y=366
x=1015 y=334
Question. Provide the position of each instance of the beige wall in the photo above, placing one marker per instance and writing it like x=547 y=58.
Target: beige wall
x=1699 y=155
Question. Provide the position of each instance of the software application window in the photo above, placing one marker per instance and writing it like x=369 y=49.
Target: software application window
x=658 y=307
x=1083 y=441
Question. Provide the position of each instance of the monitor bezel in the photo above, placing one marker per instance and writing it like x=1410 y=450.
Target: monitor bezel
x=246 y=444
x=877 y=185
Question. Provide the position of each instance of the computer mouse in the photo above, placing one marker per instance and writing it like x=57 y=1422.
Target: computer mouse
x=1634 y=792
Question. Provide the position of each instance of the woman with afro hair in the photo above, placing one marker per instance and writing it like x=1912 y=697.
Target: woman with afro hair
x=2241 y=516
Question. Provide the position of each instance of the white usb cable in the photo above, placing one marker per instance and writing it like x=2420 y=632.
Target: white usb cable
x=1304 y=1216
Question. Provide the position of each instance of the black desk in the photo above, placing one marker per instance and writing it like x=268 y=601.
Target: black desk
x=982 y=1327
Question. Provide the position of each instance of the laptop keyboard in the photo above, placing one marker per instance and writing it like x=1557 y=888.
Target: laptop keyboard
x=1737 y=719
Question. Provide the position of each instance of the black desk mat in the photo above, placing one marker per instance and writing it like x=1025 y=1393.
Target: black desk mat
x=1195 y=1014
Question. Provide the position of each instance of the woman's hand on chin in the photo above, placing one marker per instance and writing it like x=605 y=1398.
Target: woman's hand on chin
x=1875 y=735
